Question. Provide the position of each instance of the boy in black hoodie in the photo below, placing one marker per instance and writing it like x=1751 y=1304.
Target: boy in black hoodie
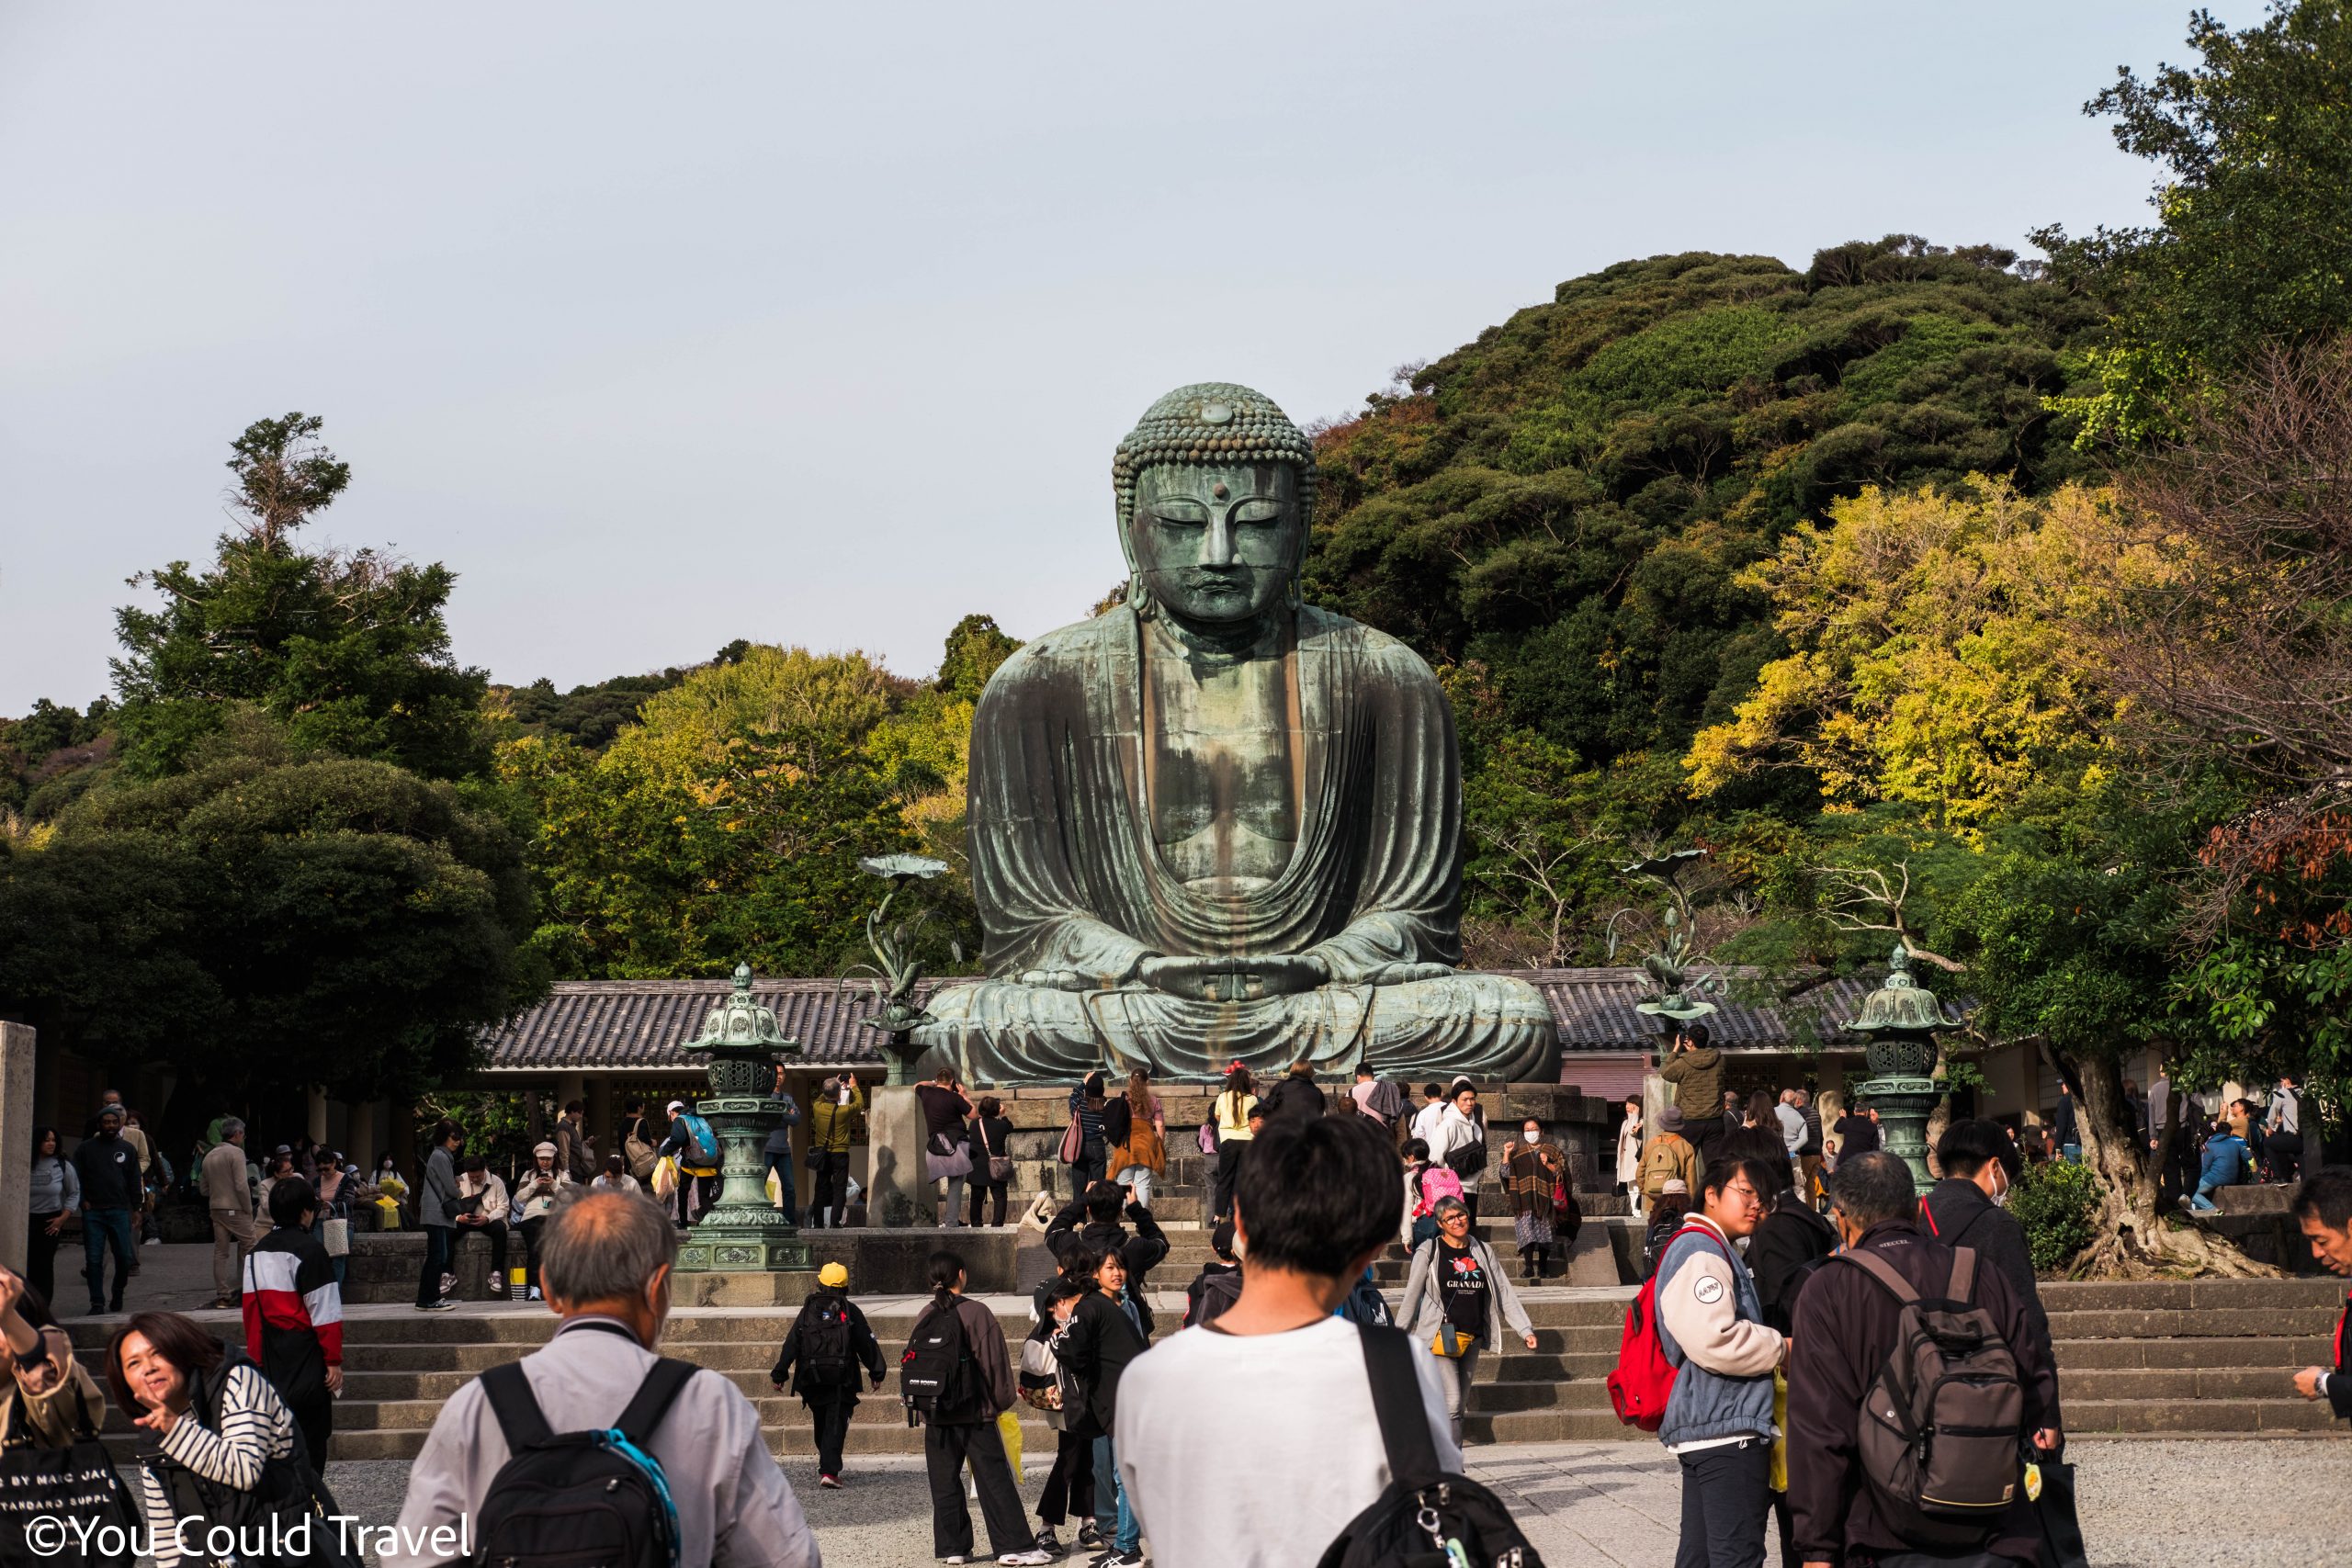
x=1218 y=1284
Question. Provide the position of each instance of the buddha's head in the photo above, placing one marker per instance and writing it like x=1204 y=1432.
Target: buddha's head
x=1214 y=487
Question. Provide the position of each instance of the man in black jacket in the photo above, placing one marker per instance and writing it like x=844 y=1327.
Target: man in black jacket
x=1846 y=1327
x=2324 y=1210
x=1968 y=1208
x=827 y=1343
x=1297 y=1097
x=1138 y=1253
x=112 y=1190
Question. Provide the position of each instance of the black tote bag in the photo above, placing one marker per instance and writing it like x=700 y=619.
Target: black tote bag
x=2062 y=1527
x=79 y=1484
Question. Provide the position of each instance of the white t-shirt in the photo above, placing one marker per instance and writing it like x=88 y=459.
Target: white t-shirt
x=1271 y=1487
x=1426 y=1122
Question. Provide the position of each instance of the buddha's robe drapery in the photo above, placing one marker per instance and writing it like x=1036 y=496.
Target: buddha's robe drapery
x=1070 y=878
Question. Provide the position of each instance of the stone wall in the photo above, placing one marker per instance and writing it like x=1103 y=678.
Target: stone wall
x=383 y=1264
x=1578 y=1122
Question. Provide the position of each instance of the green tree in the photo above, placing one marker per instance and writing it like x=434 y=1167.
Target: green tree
x=348 y=652
x=2252 y=230
x=975 y=648
x=270 y=919
x=746 y=852
x=50 y=756
x=2071 y=935
x=1569 y=501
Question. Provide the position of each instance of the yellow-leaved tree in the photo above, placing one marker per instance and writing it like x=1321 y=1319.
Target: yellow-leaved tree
x=1937 y=648
x=769 y=690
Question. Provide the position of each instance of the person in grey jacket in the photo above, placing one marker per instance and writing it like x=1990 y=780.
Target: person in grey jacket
x=605 y=1263
x=1458 y=1283
x=56 y=1192
x=436 y=1210
x=1718 y=1421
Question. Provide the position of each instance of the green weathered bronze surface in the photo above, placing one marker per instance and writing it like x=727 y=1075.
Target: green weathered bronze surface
x=1214 y=823
x=895 y=972
x=742 y=1233
x=1900 y=1020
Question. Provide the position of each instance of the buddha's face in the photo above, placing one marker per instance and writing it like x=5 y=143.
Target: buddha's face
x=1218 y=544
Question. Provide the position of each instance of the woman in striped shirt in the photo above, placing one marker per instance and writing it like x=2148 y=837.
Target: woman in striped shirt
x=214 y=1424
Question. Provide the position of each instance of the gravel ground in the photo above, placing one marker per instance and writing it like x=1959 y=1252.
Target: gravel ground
x=2251 y=1503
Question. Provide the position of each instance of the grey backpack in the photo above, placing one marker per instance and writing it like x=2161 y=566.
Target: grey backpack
x=1939 y=1427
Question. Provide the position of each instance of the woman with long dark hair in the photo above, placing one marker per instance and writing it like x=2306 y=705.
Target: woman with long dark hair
x=222 y=1445
x=989 y=1135
x=57 y=1192
x=962 y=1430
x=1086 y=1103
x=1232 y=1111
x=1044 y=1385
x=1105 y=1332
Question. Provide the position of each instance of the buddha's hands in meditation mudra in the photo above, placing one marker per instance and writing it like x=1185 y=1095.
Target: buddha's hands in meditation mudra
x=1236 y=979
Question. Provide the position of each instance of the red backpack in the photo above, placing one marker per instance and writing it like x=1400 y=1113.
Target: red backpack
x=1644 y=1380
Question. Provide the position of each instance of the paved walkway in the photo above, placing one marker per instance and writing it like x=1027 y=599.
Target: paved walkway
x=2250 y=1503
x=2254 y=1503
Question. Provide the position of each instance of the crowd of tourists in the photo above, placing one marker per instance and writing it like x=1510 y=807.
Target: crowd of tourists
x=1783 y=1299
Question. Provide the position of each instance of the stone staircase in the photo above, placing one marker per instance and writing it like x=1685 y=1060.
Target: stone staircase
x=2197 y=1359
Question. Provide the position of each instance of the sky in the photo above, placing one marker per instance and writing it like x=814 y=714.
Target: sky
x=668 y=325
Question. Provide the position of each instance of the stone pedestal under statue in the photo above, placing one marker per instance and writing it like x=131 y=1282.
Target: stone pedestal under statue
x=897 y=1191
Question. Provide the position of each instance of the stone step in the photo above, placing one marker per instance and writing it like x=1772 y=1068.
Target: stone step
x=2200 y=1322
x=1551 y=1427
x=2098 y=1354
x=2095 y=1385
x=2199 y=1418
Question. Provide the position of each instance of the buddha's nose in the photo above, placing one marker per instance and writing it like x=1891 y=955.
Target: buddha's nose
x=1216 y=544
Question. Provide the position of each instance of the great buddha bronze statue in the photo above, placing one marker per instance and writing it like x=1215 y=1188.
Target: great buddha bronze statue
x=1215 y=823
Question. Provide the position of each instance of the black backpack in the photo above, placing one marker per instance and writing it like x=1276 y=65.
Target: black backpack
x=824 y=1343
x=1426 y=1518
x=936 y=1378
x=565 y=1498
x=1118 y=1121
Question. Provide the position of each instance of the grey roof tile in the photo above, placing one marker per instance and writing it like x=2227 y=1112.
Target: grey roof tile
x=593 y=1025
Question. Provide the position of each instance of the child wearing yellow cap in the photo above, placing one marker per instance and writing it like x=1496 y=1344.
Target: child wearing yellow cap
x=827 y=1345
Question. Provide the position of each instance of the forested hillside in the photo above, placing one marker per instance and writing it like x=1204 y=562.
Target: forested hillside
x=1565 y=502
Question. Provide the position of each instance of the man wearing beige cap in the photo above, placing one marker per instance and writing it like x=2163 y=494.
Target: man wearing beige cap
x=534 y=1193
x=822 y=1351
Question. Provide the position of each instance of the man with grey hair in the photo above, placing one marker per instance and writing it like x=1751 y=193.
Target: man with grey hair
x=1846 y=1324
x=231 y=1199
x=605 y=1262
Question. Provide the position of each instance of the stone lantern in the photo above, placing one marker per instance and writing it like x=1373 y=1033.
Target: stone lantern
x=742 y=1233
x=1900 y=1020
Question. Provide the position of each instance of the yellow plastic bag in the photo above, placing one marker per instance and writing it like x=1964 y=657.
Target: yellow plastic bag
x=775 y=1191
x=666 y=1177
x=1777 y=1478
x=389 y=1211
x=1008 y=1426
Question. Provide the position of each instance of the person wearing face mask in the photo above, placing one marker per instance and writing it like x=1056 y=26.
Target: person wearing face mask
x=605 y=1262
x=1968 y=1208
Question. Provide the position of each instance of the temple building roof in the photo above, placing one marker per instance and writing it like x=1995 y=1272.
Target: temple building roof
x=640 y=1025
